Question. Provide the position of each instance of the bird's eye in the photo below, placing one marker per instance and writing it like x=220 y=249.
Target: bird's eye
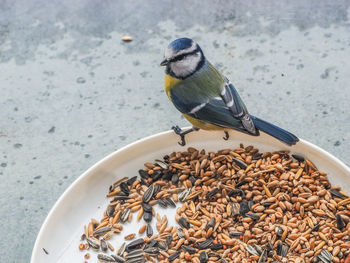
x=181 y=57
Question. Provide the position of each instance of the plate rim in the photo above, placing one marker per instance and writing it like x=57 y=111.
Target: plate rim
x=48 y=217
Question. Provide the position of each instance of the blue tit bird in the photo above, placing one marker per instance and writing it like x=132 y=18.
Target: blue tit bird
x=206 y=98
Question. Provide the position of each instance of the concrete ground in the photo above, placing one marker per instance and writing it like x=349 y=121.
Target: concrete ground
x=73 y=92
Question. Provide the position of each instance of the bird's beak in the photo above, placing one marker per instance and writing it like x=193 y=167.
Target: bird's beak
x=164 y=62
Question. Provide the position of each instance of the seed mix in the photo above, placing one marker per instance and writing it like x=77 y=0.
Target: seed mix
x=232 y=206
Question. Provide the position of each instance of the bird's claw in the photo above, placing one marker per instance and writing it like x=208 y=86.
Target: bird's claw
x=183 y=142
x=226 y=136
x=179 y=132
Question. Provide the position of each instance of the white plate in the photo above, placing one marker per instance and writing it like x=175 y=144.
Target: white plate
x=85 y=198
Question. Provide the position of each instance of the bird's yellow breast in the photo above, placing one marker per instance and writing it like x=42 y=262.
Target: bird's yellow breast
x=169 y=83
x=200 y=124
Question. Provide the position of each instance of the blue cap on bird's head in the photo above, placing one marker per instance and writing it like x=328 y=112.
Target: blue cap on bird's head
x=181 y=44
x=183 y=57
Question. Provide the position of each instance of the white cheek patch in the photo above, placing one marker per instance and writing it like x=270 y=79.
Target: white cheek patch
x=186 y=66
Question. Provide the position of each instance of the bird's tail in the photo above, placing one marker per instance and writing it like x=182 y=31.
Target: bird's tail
x=273 y=130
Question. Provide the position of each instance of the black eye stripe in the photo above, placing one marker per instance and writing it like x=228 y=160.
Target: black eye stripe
x=179 y=57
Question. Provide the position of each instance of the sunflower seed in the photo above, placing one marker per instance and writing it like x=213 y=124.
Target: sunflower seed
x=278 y=231
x=162 y=203
x=144 y=182
x=258 y=248
x=161 y=164
x=180 y=233
x=236 y=234
x=267 y=204
x=212 y=223
x=146 y=207
x=279 y=248
x=183 y=222
x=121 y=197
x=168 y=239
x=205 y=244
x=118 y=259
x=175 y=179
x=243 y=182
x=134 y=244
x=298 y=157
x=235 y=192
x=104 y=246
x=203 y=257
x=148 y=194
x=105 y=258
x=189 y=249
x=136 y=260
x=137 y=253
x=240 y=163
x=143 y=174
x=216 y=246
x=244 y=208
x=212 y=193
x=167 y=175
x=183 y=195
x=252 y=250
x=263 y=256
x=131 y=180
x=156 y=176
x=253 y=216
x=163 y=245
x=152 y=251
x=340 y=222
x=327 y=255
x=125 y=188
x=316 y=228
x=157 y=189
x=169 y=202
x=149 y=230
x=102 y=230
x=250 y=204
x=147 y=217
x=110 y=210
x=336 y=193
x=192 y=179
x=323 y=259
x=284 y=251
x=174 y=256
x=121 y=249
x=125 y=215
x=152 y=243
x=92 y=243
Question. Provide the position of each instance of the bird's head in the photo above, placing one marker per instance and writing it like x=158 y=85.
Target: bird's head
x=182 y=58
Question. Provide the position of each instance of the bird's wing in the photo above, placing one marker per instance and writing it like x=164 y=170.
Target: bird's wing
x=209 y=105
x=236 y=106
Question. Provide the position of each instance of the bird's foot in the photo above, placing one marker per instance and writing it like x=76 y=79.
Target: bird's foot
x=182 y=133
x=226 y=136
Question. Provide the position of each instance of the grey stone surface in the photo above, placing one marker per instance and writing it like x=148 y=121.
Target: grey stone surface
x=73 y=92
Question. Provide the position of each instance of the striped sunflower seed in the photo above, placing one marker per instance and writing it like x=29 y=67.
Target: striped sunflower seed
x=148 y=194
